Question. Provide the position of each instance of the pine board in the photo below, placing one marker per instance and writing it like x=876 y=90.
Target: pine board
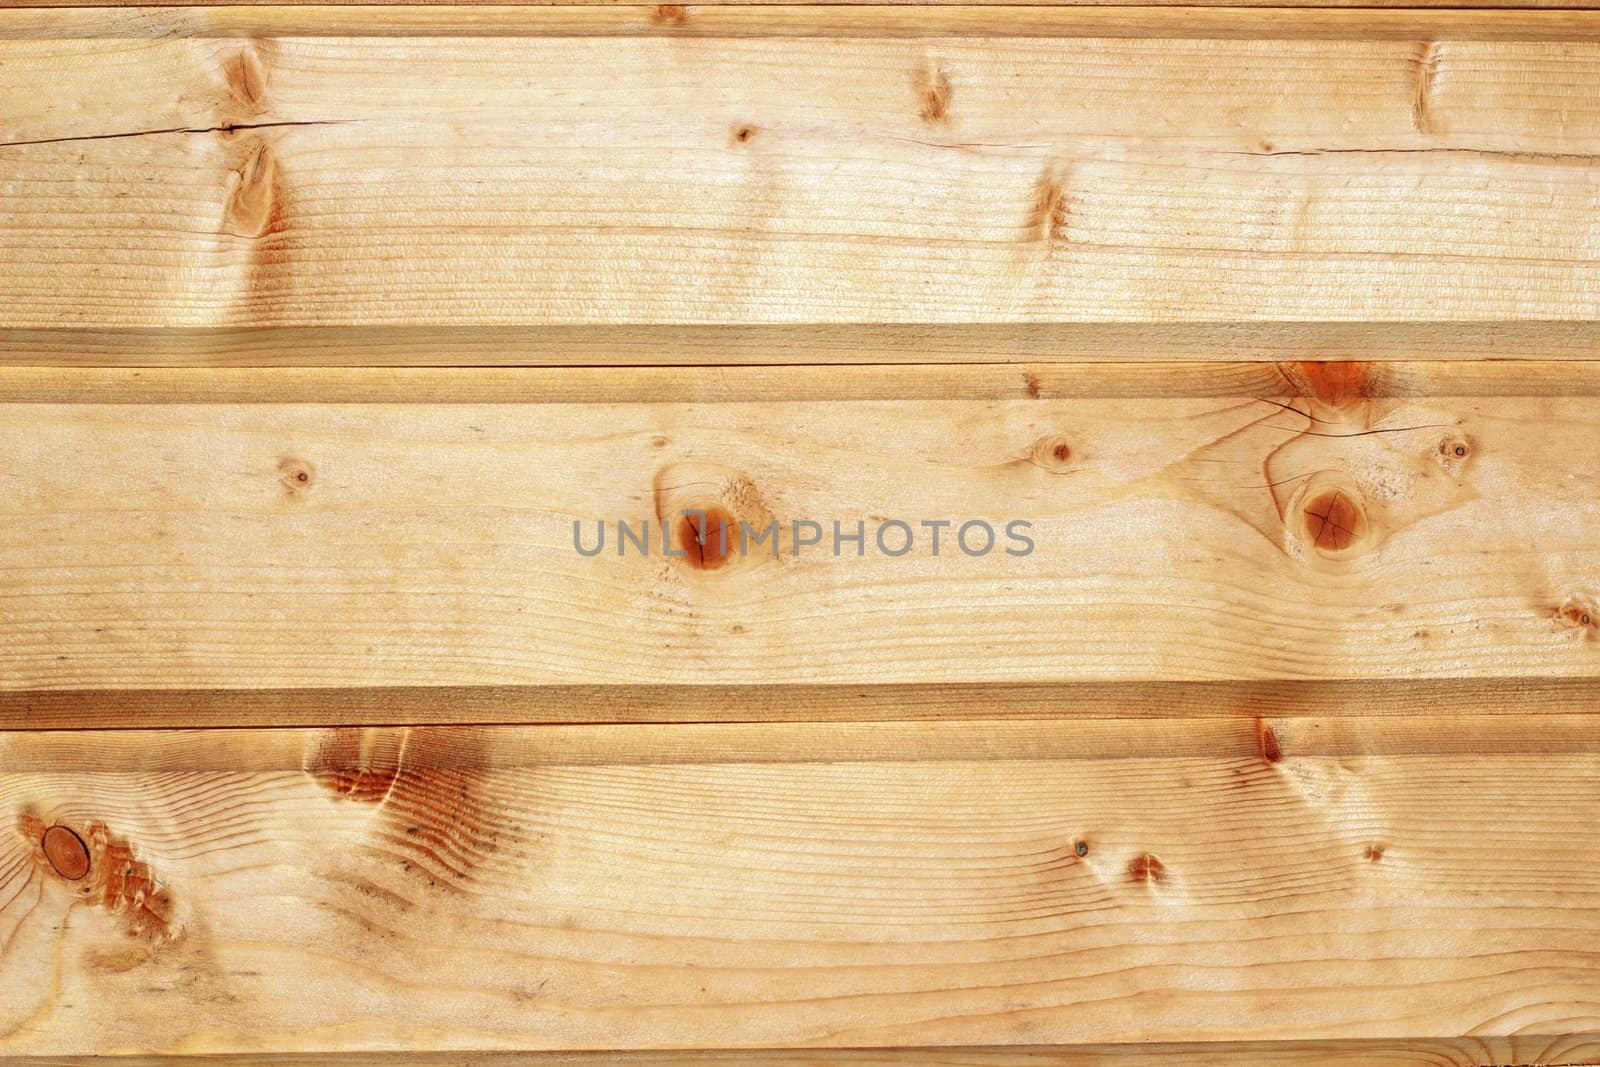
x=1320 y=533
x=653 y=887
x=320 y=324
x=205 y=183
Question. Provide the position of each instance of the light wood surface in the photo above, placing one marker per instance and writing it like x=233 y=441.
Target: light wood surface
x=568 y=888
x=366 y=182
x=321 y=325
x=1257 y=537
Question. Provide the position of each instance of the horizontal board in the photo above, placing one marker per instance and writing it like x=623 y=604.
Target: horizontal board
x=590 y=888
x=1319 y=534
x=314 y=182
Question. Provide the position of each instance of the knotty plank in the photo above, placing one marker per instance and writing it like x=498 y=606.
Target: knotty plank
x=314 y=182
x=584 y=888
x=270 y=545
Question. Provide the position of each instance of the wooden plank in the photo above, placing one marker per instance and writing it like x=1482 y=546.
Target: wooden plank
x=273 y=545
x=585 y=888
x=311 y=182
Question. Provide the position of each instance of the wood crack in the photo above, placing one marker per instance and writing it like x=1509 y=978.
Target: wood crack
x=227 y=127
x=1532 y=157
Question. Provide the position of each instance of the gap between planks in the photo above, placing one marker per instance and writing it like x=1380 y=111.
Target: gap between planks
x=1472 y=699
x=1233 y=22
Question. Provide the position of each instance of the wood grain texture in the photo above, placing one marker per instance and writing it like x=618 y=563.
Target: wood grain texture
x=524 y=887
x=1324 y=535
x=312 y=182
x=1280 y=327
